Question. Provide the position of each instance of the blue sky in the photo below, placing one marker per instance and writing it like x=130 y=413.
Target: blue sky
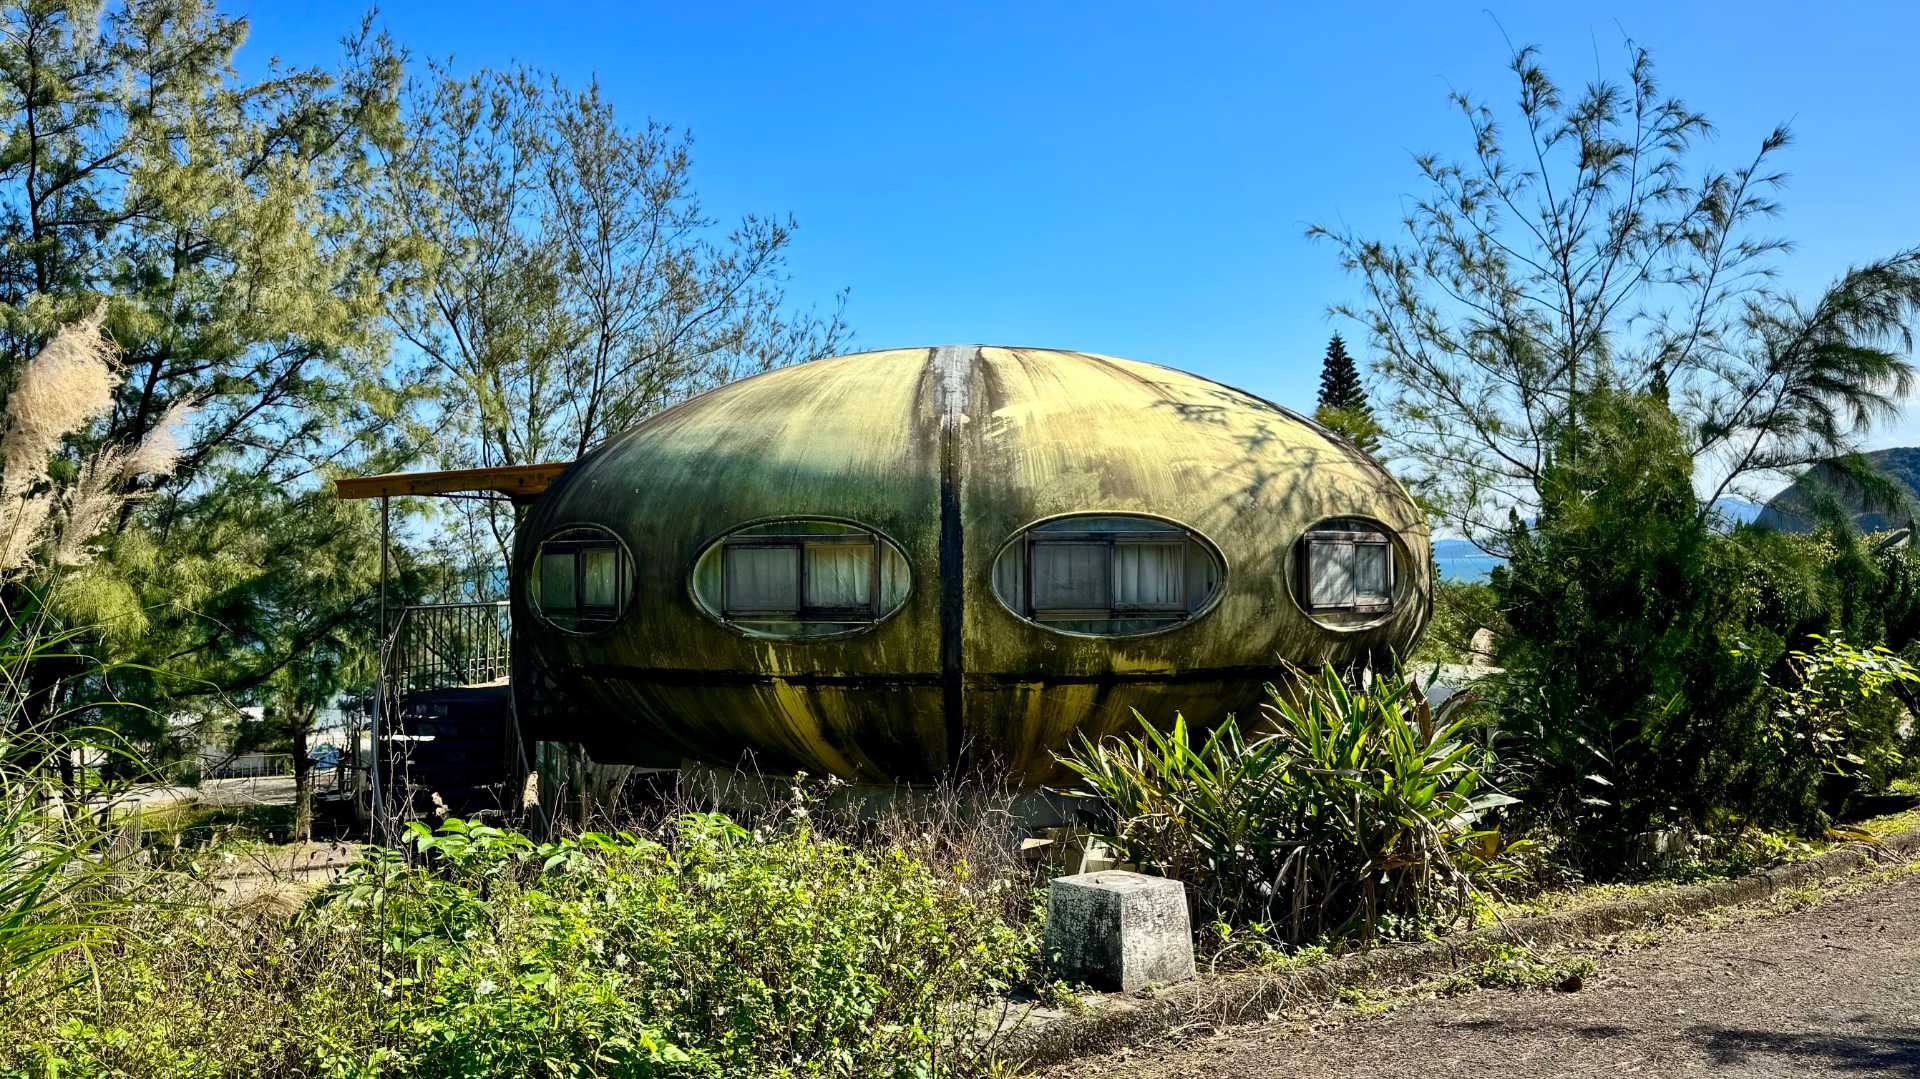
x=1137 y=179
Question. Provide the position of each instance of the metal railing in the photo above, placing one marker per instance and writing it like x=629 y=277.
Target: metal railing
x=433 y=646
x=245 y=765
x=430 y=646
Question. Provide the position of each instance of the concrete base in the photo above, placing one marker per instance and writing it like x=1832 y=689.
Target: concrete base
x=1119 y=930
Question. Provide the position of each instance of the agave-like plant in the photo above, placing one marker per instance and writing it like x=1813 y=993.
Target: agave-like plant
x=1359 y=801
x=1392 y=799
x=1205 y=813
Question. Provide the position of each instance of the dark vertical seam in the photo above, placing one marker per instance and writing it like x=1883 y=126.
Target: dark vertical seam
x=951 y=387
x=951 y=369
x=952 y=597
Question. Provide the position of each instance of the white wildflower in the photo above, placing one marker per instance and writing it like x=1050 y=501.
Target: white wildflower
x=104 y=481
x=62 y=389
x=23 y=527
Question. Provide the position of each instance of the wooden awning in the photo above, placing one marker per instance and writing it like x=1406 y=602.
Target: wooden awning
x=518 y=482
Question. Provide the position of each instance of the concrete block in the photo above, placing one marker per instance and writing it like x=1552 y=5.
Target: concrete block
x=1119 y=930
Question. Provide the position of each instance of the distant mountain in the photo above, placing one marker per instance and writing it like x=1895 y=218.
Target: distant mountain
x=1463 y=560
x=1791 y=509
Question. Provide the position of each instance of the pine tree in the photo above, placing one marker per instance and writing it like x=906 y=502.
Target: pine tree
x=1340 y=379
x=1343 y=401
x=220 y=230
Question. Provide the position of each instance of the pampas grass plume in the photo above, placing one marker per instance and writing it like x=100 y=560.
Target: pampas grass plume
x=61 y=390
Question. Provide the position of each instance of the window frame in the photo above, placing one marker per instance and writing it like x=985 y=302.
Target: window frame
x=1107 y=541
x=1156 y=531
x=575 y=541
x=801 y=611
x=1354 y=535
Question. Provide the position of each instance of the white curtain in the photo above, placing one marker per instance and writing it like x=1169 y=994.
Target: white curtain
x=601 y=584
x=763 y=578
x=1150 y=575
x=839 y=575
x=1069 y=576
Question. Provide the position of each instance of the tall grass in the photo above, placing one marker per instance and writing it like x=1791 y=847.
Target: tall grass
x=1359 y=803
x=53 y=853
x=967 y=825
x=53 y=820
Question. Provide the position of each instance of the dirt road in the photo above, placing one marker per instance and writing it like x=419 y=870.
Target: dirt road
x=1833 y=989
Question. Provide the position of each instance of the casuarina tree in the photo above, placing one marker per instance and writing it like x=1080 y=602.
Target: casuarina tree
x=576 y=283
x=1577 y=240
x=218 y=230
x=1583 y=346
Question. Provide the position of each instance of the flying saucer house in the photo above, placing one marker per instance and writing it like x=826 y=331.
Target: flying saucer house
x=884 y=565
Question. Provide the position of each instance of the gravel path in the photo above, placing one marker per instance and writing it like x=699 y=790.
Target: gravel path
x=1833 y=989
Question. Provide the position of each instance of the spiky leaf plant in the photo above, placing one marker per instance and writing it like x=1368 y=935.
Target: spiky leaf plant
x=1359 y=802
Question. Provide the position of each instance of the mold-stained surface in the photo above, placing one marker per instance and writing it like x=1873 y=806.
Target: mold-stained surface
x=946 y=454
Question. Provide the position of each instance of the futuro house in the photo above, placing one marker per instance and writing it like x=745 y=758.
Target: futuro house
x=882 y=565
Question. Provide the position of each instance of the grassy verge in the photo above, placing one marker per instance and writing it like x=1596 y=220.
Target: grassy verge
x=1569 y=967
x=1227 y=950
x=1758 y=851
x=1899 y=820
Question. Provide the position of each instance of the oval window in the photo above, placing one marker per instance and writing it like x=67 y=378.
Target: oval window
x=801 y=578
x=582 y=579
x=1109 y=575
x=1347 y=573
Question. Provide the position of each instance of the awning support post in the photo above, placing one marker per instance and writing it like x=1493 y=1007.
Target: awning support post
x=377 y=801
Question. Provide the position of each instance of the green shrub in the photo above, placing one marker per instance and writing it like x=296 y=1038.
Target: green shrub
x=1623 y=612
x=704 y=951
x=1900 y=597
x=1830 y=582
x=1460 y=609
x=1658 y=672
x=1361 y=805
x=713 y=951
x=185 y=989
x=1838 y=710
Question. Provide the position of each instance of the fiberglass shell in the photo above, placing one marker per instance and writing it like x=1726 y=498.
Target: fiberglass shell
x=946 y=455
